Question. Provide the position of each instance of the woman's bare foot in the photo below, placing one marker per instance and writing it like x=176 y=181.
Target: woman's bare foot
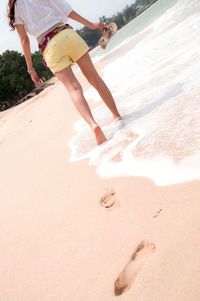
x=99 y=135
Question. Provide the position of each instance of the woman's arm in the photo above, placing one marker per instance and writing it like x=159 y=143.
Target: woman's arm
x=24 y=39
x=73 y=15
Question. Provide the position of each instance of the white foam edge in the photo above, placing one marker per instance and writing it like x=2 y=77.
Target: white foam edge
x=161 y=169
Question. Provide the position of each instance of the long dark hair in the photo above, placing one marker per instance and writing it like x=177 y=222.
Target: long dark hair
x=11 y=13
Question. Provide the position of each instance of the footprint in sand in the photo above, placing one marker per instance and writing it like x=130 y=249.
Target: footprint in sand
x=109 y=200
x=134 y=266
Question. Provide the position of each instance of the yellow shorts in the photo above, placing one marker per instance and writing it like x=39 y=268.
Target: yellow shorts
x=65 y=48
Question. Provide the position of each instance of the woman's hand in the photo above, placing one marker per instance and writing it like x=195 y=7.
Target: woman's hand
x=35 y=78
x=98 y=25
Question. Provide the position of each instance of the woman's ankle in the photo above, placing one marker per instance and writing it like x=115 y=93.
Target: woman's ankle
x=117 y=117
x=94 y=126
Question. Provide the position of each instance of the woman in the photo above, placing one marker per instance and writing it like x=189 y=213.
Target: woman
x=61 y=47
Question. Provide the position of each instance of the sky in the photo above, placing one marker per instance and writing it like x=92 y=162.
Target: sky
x=90 y=9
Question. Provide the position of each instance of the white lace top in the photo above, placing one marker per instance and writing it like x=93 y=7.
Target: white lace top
x=40 y=15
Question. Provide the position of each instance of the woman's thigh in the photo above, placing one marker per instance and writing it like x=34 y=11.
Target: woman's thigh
x=87 y=67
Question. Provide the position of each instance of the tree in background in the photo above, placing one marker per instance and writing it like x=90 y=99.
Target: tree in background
x=15 y=82
x=129 y=13
x=90 y=36
x=14 y=79
x=42 y=70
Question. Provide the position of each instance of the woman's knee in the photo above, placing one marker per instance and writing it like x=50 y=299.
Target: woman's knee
x=68 y=79
x=74 y=87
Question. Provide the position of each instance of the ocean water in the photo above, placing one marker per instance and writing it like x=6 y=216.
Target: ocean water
x=153 y=70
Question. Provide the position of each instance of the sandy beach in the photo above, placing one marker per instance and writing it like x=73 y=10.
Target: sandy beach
x=121 y=221
x=66 y=234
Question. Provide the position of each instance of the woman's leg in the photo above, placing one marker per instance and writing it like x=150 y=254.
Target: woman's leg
x=86 y=65
x=75 y=90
